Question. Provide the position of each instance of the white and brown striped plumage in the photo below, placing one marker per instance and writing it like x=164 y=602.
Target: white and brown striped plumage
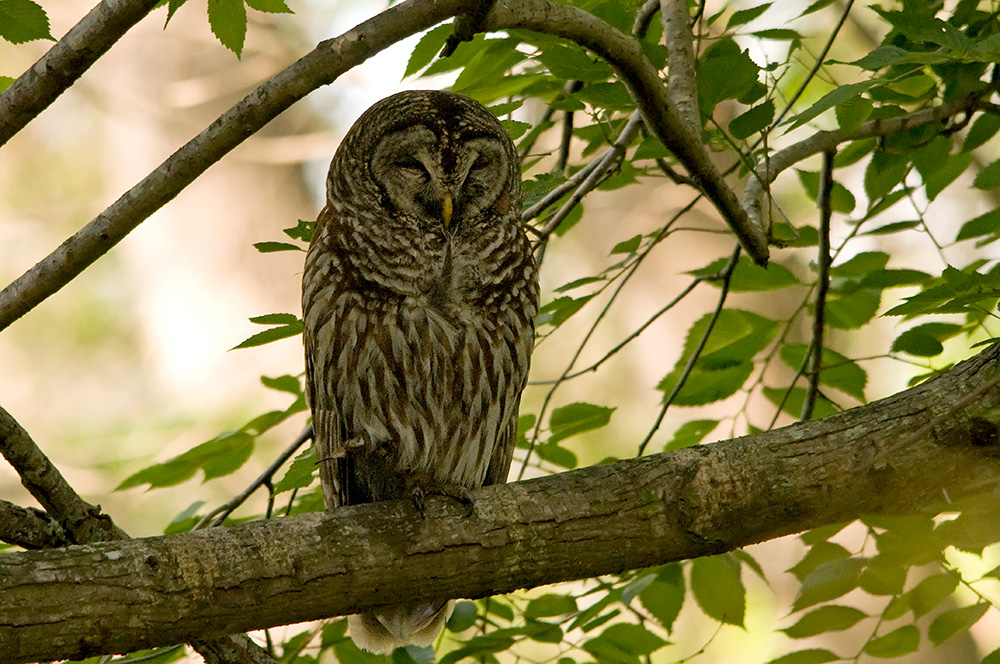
x=419 y=297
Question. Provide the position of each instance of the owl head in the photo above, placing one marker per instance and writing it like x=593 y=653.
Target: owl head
x=436 y=160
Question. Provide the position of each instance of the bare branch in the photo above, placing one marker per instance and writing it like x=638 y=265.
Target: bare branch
x=682 y=88
x=322 y=66
x=649 y=93
x=824 y=141
x=814 y=359
x=82 y=521
x=66 y=61
x=30 y=528
x=599 y=520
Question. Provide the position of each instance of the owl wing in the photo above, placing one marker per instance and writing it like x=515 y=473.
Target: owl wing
x=327 y=439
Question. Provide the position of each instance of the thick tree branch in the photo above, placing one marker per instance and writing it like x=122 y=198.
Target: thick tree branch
x=599 y=520
x=649 y=93
x=82 y=521
x=682 y=88
x=29 y=528
x=66 y=61
x=322 y=66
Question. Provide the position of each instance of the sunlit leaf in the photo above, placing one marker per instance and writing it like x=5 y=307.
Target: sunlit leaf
x=718 y=589
x=896 y=643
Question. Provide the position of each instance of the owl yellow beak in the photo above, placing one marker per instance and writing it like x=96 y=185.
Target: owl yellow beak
x=447 y=207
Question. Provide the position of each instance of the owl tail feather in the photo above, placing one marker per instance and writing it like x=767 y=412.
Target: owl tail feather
x=380 y=632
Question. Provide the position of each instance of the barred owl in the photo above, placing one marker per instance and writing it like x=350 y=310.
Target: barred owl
x=419 y=297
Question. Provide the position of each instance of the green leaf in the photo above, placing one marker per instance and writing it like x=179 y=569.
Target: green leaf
x=557 y=455
x=427 y=48
x=665 y=596
x=718 y=589
x=577 y=418
x=726 y=360
x=896 y=643
x=831 y=618
x=841 y=200
x=883 y=575
x=576 y=283
x=627 y=246
x=851 y=309
x=882 y=279
x=571 y=63
x=538 y=187
x=925 y=340
x=955 y=621
x=271 y=334
x=883 y=173
x=691 y=433
x=481 y=646
x=930 y=592
x=270 y=6
x=818 y=554
x=228 y=19
x=752 y=121
x=272 y=247
x=220 y=456
x=286 y=383
x=749 y=277
x=810 y=656
x=989 y=177
x=633 y=639
x=992 y=658
x=547 y=606
x=724 y=72
x=744 y=16
x=559 y=310
x=5 y=82
x=837 y=96
x=610 y=96
x=984 y=224
x=851 y=113
x=300 y=473
x=983 y=129
x=828 y=581
x=23 y=21
x=838 y=371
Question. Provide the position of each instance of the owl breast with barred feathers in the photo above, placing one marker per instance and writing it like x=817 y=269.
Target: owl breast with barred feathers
x=419 y=297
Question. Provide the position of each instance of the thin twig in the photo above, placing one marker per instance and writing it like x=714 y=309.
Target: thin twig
x=217 y=516
x=822 y=285
x=30 y=528
x=726 y=276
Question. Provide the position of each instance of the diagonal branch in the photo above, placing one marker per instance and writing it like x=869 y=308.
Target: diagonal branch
x=322 y=66
x=649 y=93
x=66 y=61
x=599 y=520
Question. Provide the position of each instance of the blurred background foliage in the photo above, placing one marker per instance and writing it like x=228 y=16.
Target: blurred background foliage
x=130 y=377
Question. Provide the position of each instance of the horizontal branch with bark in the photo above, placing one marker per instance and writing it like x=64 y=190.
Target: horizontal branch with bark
x=599 y=520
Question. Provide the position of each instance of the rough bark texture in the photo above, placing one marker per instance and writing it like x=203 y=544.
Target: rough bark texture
x=894 y=455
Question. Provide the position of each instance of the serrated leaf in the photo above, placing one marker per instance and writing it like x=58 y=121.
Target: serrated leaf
x=954 y=621
x=829 y=580
x=228 y=20
x=930 y=592
x=300 y=473
x=220 y=456
x=883 y=575
x=550 y=605
x=691 y=433
x=752 y=121
x=571 y=63
x=271 y=334
x=841 y=199
x=838 y=371
x=577 y=418
x=748 y=276
x=983 y=129
x=744 y=16
x=23 y=21
x=270 y=6
x=627 y=246
x=559 y=310
x=984 y=224
x=838 y=95
x=633 y=639
x=925 y=340
x=851 y=113
x=810 y=656
x=718 y=589
x=883 y=173
x=427 y=48
x=609 y=96
x=896 y=643
x=831 y=618
x=989 y=177
x=852 y=309
x=727 y=357
x=665 y=596
x=272 y=247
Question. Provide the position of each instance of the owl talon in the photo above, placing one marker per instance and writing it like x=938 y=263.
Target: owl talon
x=418 y=501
